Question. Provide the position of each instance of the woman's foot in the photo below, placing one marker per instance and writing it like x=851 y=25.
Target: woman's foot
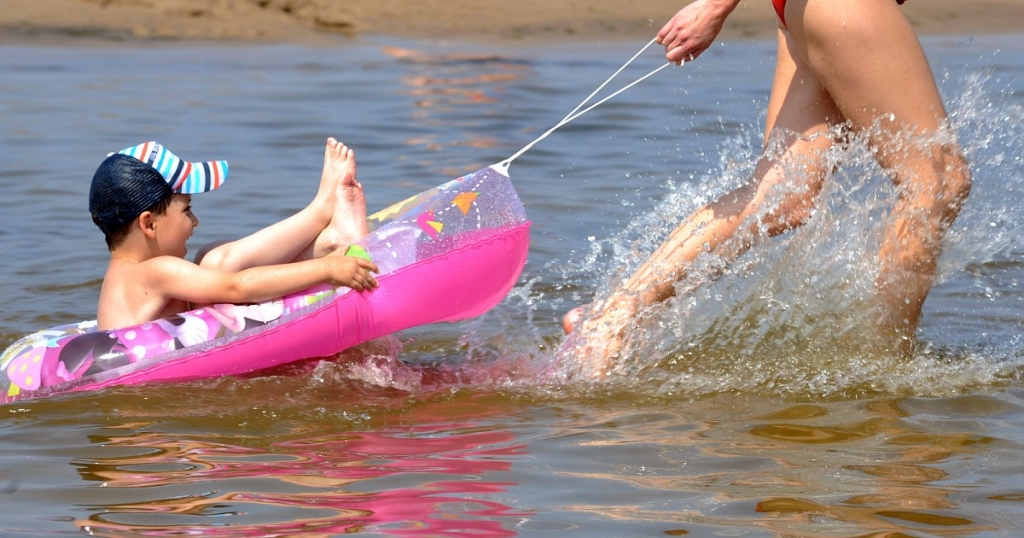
x=602 y=334
x=570 y=319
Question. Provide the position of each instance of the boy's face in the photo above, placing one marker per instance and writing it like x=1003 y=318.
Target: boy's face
x=175 y=226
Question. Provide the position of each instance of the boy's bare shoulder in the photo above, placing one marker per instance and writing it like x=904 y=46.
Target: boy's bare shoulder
x=170 y=266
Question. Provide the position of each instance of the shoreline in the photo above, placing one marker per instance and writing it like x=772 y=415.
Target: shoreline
x=483 y=22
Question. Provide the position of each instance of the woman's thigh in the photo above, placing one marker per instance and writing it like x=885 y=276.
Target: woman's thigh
x=799 y=104
x=866 y=56
x=793 y=167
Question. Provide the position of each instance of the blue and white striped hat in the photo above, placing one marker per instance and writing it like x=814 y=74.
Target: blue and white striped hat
x=135 y=179
x=183 y=177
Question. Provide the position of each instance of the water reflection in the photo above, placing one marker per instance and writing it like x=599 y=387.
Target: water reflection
x=899 y=485
x=422 y=481
x=797 y=469
x=443 y=85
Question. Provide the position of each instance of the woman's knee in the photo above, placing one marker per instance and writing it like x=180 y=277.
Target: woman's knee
x=939 y=184
x=954 y=178
x=795 y=206
x=788 y=216
x=957 y=183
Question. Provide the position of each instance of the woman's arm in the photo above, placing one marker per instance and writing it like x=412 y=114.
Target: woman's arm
x=692 y=30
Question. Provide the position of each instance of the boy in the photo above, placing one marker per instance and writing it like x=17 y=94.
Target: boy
x=141 y=199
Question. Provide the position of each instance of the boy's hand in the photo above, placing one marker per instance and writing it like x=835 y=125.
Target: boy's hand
x=352 y=272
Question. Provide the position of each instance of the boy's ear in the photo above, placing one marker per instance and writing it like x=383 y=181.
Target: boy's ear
x=147 y=223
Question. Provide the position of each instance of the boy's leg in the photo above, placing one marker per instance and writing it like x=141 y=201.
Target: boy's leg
x=800 y=111
x=289 y=239
x=868 y=57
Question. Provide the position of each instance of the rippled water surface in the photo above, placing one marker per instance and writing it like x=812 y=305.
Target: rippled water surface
x=749 y=409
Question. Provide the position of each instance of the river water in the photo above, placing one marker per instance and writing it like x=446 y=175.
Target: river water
x=748 y=410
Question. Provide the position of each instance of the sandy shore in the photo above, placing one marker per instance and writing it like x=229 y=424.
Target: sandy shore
x=326 y=21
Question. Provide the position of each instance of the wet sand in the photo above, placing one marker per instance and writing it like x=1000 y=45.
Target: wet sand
x=328 y=21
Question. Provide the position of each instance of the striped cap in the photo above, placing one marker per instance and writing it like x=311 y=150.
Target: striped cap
x=182 y=176
x=133 y=180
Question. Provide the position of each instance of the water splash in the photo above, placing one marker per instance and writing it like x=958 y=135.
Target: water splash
x=793 y=316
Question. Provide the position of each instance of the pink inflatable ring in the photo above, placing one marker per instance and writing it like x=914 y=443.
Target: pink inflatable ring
x=447 y=254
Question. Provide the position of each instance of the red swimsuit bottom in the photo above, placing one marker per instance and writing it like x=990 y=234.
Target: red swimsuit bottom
x=780 y=9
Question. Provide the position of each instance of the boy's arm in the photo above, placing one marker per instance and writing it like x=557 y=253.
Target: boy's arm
x=175 y=278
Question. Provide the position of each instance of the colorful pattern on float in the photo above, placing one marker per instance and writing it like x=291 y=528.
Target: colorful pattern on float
x=409 y=241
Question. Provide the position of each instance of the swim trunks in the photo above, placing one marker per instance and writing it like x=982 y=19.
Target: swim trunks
x=780 y=9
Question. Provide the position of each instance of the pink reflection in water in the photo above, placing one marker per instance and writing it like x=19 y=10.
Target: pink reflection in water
x=324 y=484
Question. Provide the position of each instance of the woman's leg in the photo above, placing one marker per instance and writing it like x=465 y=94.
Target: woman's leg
x=869 y=59
x=302 y=235
x=778 y=198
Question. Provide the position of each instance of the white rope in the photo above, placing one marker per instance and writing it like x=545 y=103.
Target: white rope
x=576 y=112
x=605 y=83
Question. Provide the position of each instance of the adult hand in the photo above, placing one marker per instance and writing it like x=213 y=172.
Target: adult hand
x=692 y=30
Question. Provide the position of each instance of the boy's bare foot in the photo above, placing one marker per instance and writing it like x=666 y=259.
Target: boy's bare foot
x=349 y=219
x=334 y=168
x=348 y=207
